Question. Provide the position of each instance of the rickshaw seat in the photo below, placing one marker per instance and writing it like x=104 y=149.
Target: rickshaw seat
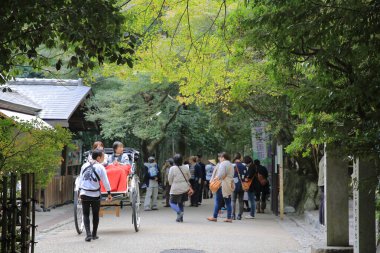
x=118 y=178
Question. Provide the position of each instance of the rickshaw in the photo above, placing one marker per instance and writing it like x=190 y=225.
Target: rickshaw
x=130 y=196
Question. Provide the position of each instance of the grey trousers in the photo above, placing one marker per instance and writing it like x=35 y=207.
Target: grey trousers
x=240 y=197
x=151 y=198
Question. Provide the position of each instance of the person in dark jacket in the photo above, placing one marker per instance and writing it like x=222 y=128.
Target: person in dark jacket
x=240 y=173
x=195 y=179
x=254 y=188
x=264 y=189
x=203 y=178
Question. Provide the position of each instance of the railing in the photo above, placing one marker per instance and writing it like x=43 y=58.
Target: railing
x=17 y=214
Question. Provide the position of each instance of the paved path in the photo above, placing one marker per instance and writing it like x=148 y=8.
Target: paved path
x=159 y=233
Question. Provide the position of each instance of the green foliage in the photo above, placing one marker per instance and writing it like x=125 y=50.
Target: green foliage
x=31 y=147
x=324 y=56
x=79 y=34
x=136 y=107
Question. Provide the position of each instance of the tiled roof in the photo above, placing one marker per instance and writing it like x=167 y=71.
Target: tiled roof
x=12 y=99
x=21 y=117
x=57 y=98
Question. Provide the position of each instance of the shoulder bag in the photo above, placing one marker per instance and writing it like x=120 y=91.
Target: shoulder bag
x=191 y=191
x=246 y=184
x=216 y=183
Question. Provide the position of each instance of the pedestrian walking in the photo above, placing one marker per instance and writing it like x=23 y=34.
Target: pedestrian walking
x=203 y=178
x=223 y=175
x=262 y=176
x=89 y=191
x=321 y=185
x=195 y=180
x=179 y=176
x=209 y=170
x=165 y=169
x=240 y=174
x=254 y=186
x=152 y=176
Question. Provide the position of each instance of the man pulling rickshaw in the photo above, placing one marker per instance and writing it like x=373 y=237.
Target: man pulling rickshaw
x=99 y=187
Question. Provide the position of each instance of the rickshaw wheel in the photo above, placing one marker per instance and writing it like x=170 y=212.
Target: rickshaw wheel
x=136 y=204
x=78 y=213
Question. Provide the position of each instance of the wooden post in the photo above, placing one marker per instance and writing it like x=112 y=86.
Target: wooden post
x=33 y=192
x=5 y=211
x=14 y=211
x=24 y=214
x=281 y=174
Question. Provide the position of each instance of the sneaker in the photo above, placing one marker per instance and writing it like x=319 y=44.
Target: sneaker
x=238 y=217
x=249 y=217
x=154 y=208
x=95 y=237
x=233 y=217
x=88 y=238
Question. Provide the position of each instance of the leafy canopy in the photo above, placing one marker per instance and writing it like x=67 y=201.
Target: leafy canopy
x=86 y=32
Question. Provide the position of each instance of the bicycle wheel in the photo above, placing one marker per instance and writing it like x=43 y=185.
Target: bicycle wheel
x=78 y=213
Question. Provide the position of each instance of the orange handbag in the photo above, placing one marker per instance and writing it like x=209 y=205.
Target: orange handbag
x=215 y=184
x=244 y=184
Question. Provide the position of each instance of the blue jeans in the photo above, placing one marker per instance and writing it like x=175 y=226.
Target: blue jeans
x=177 y=207
x=252 y=202
x=217 y=200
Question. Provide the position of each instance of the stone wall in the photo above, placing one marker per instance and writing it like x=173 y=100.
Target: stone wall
x=300 y=191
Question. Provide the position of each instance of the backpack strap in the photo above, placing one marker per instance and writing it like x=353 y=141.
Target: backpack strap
x=96 y=175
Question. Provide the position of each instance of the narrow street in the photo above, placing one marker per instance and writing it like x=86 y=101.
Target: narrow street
x=160 y=233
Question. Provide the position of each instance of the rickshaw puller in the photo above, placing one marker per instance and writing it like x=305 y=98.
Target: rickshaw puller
x=90 y=176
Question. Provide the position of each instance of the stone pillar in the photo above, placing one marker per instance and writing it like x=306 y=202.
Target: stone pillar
x=364 y=187
x=336 y=201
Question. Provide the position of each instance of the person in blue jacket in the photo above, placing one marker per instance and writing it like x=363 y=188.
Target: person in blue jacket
x=240 y=173
x=152 y=178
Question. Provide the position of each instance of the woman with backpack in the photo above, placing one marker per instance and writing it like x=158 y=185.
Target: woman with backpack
x=179 y=176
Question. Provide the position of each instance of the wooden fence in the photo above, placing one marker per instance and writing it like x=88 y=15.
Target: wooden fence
x=59 y=191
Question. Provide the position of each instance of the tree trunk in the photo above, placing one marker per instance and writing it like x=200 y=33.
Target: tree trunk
x=182 y=142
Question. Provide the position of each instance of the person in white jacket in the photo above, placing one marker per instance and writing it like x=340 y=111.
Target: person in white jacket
x=179 y=176
x=89 y=186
